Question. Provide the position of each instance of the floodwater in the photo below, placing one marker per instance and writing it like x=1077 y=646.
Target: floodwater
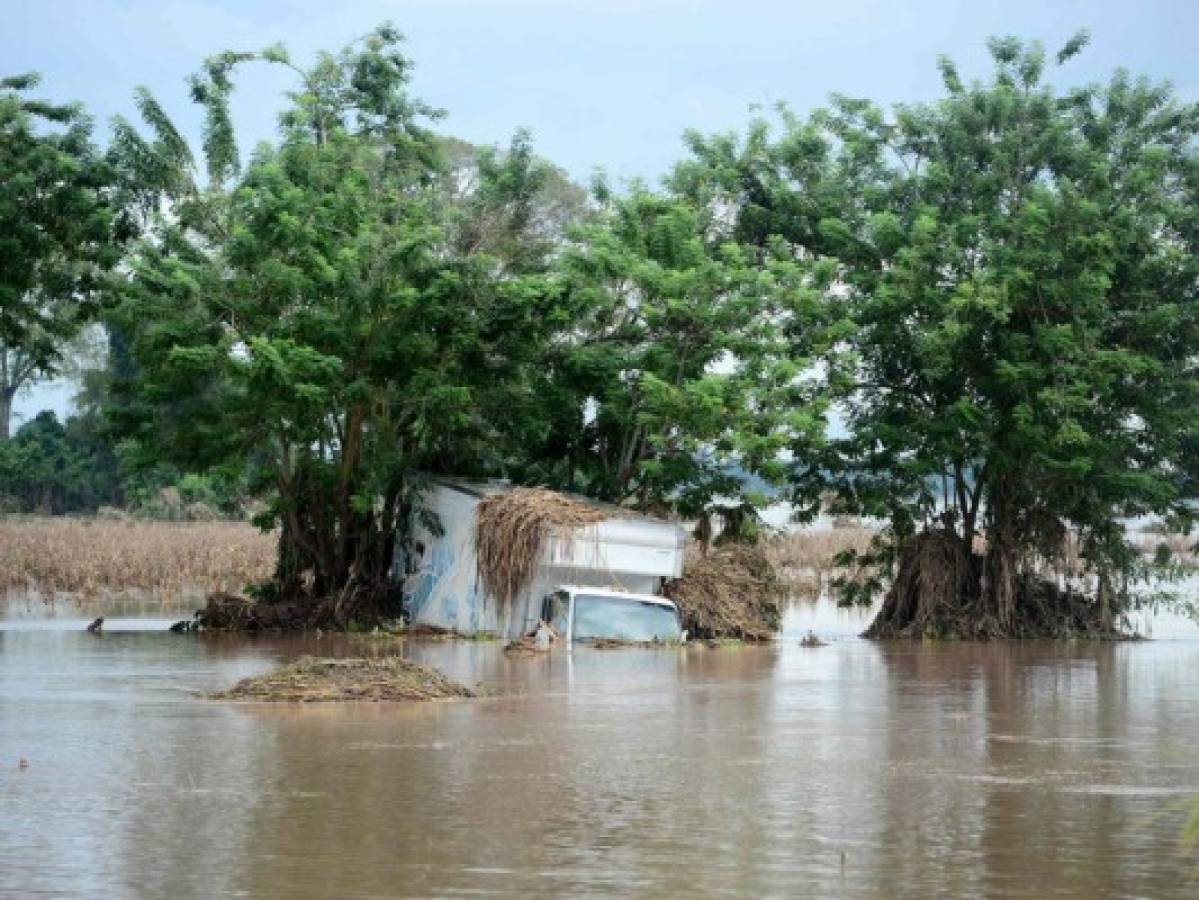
x=855 y=769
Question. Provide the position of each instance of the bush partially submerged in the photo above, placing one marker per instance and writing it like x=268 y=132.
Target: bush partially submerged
x=311 y=680
x=235 y=613
x=730 y=591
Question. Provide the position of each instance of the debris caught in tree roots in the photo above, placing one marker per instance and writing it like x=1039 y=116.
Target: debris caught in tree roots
x=232 y=612
x=311 y=680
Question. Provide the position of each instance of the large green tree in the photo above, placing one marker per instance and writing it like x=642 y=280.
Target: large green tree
x=1019 y=263
x=333 y=314
x=59 y=232
x=677 y=373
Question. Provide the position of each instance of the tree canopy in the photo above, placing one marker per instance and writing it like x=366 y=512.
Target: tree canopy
x=1018 y=267
x=679 y=349
x=337 y=314
x=59 y=232
x=992 y=297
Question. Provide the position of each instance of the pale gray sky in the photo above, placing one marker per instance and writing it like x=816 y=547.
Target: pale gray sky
x=606 y=84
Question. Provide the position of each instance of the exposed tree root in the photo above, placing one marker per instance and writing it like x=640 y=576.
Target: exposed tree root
x=940 y=591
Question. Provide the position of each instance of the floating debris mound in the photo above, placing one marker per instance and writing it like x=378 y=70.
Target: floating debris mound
x=729 y=591
x=313 y=680
x=511 y=529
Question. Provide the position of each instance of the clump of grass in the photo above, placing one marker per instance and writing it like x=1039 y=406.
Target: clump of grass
x=95 y=558
x=312 y=680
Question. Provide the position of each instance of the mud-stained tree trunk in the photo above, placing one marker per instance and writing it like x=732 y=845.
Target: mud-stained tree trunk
x=934 y=591
x=1106 y=617
x=1000 y=567
x=6 y=398
x=334 y=560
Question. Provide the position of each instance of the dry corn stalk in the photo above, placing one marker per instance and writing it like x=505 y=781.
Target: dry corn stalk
x=95 y=557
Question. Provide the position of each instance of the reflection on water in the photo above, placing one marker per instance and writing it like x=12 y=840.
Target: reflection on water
x=855 y=769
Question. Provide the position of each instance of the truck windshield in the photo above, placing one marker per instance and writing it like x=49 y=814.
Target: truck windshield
x=624 y=619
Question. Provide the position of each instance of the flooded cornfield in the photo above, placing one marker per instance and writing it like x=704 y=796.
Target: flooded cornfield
x=854 y=769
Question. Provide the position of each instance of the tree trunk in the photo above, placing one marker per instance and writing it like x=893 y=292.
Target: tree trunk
x=1000 y=590
x=1106 y=619
x=334 y=563
x=6 y=398
x=999 y=578
x=933 y=591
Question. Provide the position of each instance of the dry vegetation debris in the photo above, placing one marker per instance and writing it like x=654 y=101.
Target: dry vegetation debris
x=797 y=553
x=729 y=591
x=511 y=529
x=313 y=680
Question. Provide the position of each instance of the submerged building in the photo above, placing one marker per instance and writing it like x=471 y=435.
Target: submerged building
x=438 y=568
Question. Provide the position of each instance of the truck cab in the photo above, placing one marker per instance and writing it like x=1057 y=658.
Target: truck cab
x=585 y=614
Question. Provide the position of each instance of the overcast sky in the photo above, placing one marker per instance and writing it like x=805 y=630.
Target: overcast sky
x=608 y=84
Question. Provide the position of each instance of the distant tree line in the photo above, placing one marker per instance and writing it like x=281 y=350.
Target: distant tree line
x=50 y=467
x=996 y=292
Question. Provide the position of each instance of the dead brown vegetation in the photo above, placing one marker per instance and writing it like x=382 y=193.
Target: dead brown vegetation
x=814 y=550
x=731 y=591
x=92 y=558
x=312 y=680
x=511 y=529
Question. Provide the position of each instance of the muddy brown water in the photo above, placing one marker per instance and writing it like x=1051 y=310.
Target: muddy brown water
x=855 y=769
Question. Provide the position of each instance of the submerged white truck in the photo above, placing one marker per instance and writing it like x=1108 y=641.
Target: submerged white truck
x=584 y=614
x=603 y=577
